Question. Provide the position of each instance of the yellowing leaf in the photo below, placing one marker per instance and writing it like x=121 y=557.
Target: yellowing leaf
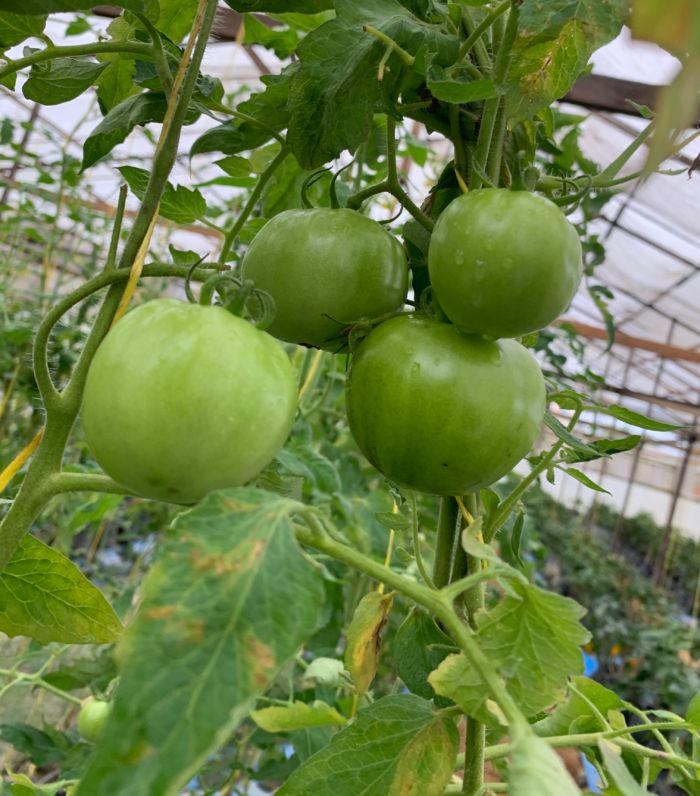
x=364 y=638
x=668 y=23
x=297 y=717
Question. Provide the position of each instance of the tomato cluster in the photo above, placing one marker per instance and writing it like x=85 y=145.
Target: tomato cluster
x=182 y=399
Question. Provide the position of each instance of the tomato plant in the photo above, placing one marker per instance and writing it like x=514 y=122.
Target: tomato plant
x=244 y=641
x=504 y=263
x=439 y=411
x=326 y=269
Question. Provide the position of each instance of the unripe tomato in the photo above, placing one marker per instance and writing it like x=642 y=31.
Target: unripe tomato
x=92 y=718
x=504 y=263
x=440 y=411
x=326 y=269
x=182 y=399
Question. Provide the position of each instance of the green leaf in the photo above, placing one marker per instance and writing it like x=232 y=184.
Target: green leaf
x=139 y=109
x=279 y=6
x=180 y=204
x=335 y=94
x=517 y=533
x=556 y=38
x=582 y=478
x=33 y=743
x=533 y=639
x=268 y=107
x=544 y=72
x=297 y=716
x=67 y=79
x=176 y=18
x=475 y=546
x=535 y=768
x=235 y=166
x=45 y=596
x=305 y=23
x=308 y=741
x=564 y=434
x=36 y=7
x=251 y=229
x=626 y=783
x=633 y=419
x=97 y=671
x=325 y=671
x=398 y=746
x=116 y=83
x=281 y=42
x=214 y=629
x=607 y=447
x=562 y=717
x=414 y=660
x=391 y=520
x=454 y=84
x=183 y=257
x=692 y=715
x=15 y=28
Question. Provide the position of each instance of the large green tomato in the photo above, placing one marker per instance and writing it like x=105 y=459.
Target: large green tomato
x=92 y=718
x=440 y=411
x=181 y=400
x=504 y=263
x=326 y=269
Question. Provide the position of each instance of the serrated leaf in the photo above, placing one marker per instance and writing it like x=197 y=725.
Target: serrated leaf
x=564 y=434
x=268 y=107
x=15 y=28
x=626 y=783
x=398 y=746
x=634 y=419
x=116 y=83
x=364 y=638
x=45 y=596
x=67 y=79
x=561 y=718
x=183 y=257
x=606 y=447
x=414 y=660
x=213 y=631
x=582 y=478
x=31 y=742
x=281 y=42
x=335 y=94
x=181 y=205
x=535 y=768
x=325 y=671
x=298 y=716
x=533 y=639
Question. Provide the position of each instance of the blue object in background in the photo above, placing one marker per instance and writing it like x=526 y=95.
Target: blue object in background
x=592 y=776
x=591 y=664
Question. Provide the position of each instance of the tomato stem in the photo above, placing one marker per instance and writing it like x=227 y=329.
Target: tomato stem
x=116 y=230
x=480 y=29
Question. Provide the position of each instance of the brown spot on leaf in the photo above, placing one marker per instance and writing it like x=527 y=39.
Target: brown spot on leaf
x=164 y=612
x=261 y=659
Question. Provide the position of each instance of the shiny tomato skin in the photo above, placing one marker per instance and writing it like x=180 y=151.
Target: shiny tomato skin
x=181 y=400
x=439 y=411
x=92 y=718
x=326 y=269
x=504 y=263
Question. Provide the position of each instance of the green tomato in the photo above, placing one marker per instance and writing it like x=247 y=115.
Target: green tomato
x=182 y=399
x=439 y=411
x=92 y=718
x=504 y=263
x=326 y=269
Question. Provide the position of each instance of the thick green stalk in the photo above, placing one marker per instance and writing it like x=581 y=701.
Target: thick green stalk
x=446 y=532
x=94 y=48
x=474 y=745
x=480 y=29
x=265 y=177
x=493 y=167
x=483 y=144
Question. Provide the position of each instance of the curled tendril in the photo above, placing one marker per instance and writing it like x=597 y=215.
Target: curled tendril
x=188 y=280
x=308 y=182
x=573 y=198
x=335 y=204
x=238 y=303
x=391 y=220
x=207 y=292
